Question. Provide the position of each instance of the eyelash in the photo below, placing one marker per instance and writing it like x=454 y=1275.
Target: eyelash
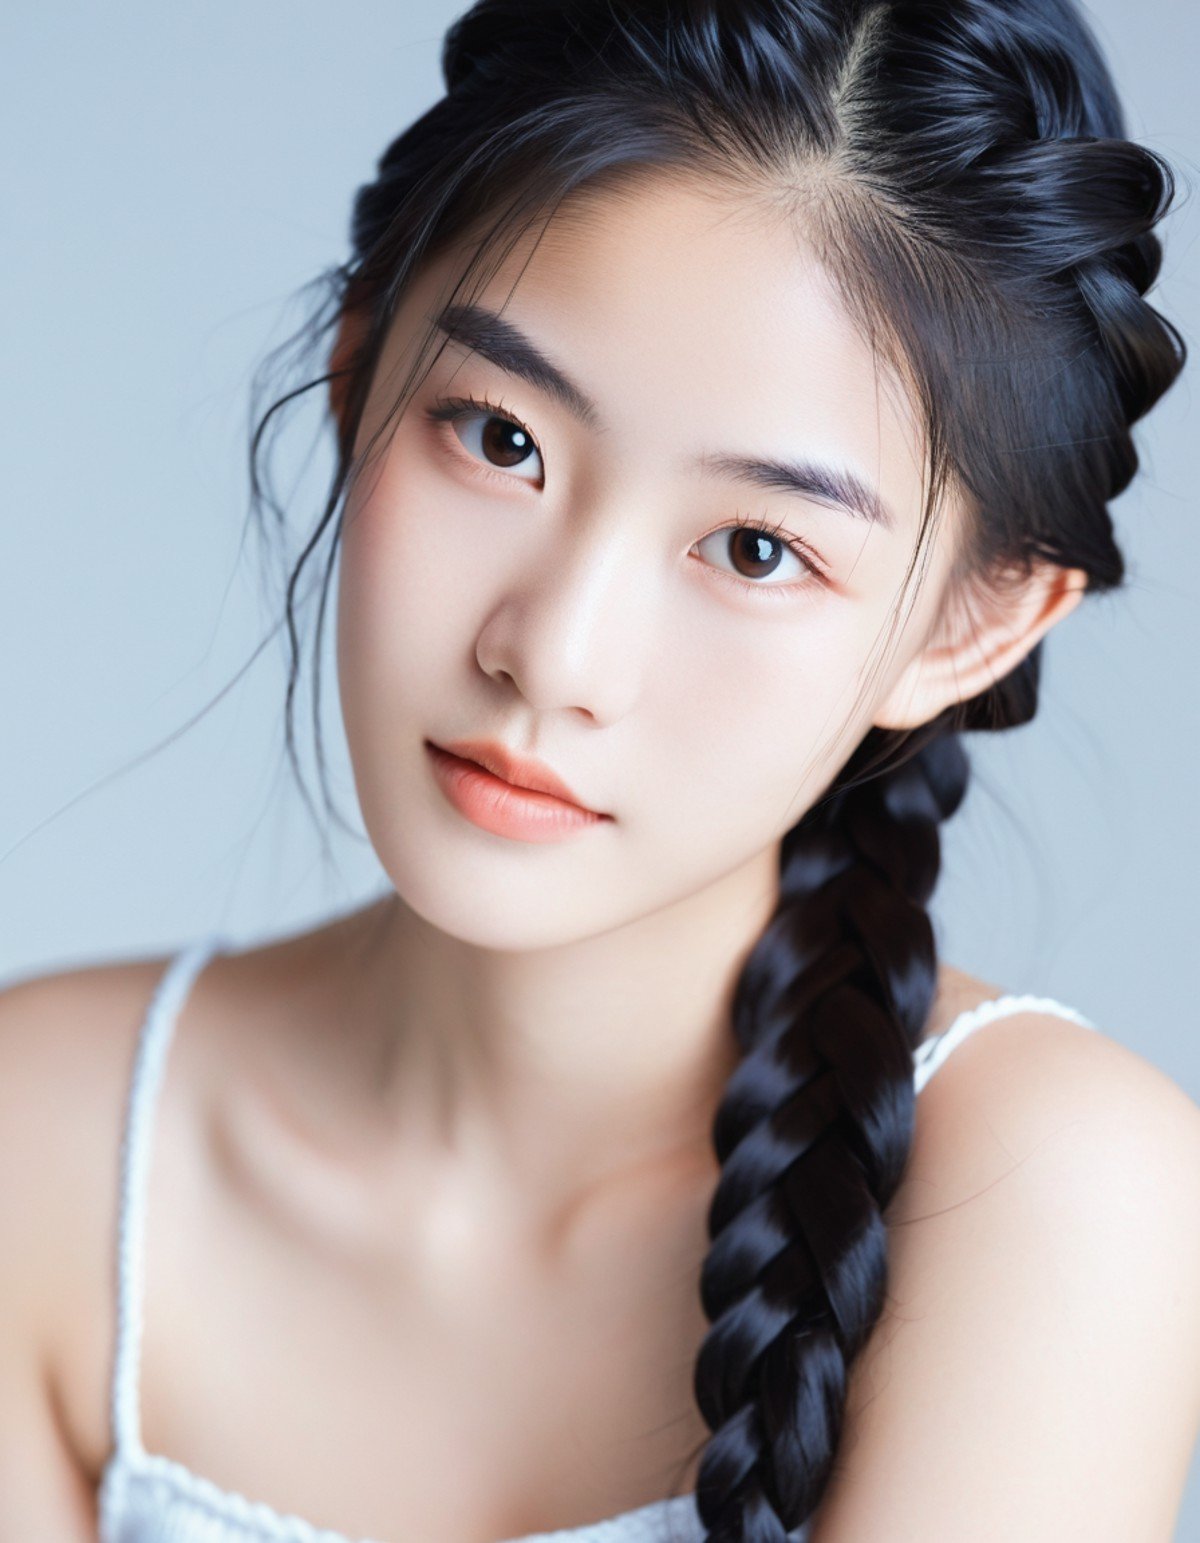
x=451 y=409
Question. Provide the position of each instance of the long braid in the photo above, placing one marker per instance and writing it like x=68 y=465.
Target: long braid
x=813 y=1133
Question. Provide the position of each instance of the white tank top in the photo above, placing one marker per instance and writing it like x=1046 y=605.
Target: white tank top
x=147 y=1498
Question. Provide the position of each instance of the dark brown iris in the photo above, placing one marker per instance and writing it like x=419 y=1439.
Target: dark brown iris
x=504 y=443
x=760 y=552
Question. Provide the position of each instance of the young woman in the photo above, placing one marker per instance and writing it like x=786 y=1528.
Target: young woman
x=729 y=400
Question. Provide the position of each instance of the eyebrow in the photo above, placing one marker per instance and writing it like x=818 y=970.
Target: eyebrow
x=506 y=346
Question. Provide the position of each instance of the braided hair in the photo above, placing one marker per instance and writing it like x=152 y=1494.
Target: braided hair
x=963 y=168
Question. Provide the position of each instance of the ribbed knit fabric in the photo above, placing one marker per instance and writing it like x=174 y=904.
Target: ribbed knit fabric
x=147 y=1498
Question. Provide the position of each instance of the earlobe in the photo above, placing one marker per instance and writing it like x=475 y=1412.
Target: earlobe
x=987 y=639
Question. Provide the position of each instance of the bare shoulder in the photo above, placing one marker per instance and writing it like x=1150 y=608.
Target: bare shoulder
x=67 y=1041
x=1027 y=1078
x=1039 y=1351
x=1037 y=1091
x=66 y=1046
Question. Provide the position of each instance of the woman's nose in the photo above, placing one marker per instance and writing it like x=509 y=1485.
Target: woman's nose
x=573 y=629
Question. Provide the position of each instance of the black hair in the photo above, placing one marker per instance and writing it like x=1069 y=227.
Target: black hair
x=963 y=167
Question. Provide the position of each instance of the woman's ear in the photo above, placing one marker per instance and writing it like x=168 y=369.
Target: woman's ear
x=980 y=637
x=352 y=329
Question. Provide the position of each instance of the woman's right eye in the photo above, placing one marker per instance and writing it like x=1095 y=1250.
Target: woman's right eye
x=499 y=442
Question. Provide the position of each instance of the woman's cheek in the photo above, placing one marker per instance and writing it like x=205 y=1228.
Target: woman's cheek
x=405 y=549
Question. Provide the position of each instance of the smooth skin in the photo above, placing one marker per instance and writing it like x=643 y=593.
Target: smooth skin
x=429 y=1183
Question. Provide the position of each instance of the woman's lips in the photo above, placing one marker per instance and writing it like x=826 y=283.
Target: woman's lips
x=520 y=771
x=497 y=806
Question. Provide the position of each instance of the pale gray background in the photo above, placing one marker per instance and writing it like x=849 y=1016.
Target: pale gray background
x=170 y=176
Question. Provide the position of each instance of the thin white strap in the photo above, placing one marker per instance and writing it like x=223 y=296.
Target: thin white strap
x=153 y=1040
x=930 y=1055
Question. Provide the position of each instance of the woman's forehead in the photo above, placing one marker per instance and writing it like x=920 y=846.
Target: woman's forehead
x=690 y=319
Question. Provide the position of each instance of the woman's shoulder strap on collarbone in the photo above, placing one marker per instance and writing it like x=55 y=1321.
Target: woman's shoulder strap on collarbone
x=933 y=1053
x=153 y=1041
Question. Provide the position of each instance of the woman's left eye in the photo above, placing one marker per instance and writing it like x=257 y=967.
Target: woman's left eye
x=498 y=442
x=495 y=438
x=756 y=553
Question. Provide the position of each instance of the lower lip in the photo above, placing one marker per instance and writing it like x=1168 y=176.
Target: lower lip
x=497 y=806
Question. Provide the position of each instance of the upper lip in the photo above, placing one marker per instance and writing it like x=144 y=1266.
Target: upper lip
x=520 y=770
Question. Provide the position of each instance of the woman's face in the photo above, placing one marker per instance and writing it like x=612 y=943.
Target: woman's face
x=561 y=570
